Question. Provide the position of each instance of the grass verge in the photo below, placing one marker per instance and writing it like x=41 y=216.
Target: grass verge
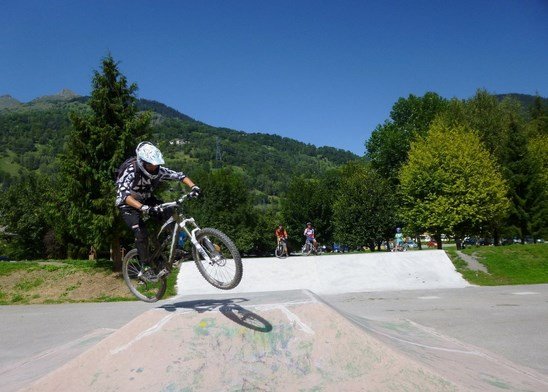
x=506 y=265
x=66 y=281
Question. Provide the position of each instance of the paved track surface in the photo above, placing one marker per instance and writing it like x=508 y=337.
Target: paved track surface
x=466 y=338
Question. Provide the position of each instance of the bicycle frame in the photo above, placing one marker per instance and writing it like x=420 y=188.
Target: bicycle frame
x=180 y=224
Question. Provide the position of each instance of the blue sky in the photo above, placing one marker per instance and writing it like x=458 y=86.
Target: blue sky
x=322 y=72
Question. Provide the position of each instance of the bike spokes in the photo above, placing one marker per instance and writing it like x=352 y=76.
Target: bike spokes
x=143 y=281
x=218 y=259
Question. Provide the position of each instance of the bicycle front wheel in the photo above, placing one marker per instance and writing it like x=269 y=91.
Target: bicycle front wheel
x=280 y=252
x=224 y=268
x=136 y=279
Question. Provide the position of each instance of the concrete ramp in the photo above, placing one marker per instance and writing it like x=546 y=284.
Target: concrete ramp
x=221 y=345
x=462 y=363
x=297 y=343
x=336 y=274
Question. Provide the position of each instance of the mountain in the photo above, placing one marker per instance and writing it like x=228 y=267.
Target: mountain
x=8 y=102
x=526 y=100
x=32 y=134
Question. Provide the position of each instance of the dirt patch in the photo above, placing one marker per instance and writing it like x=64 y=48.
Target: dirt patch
x=61 y=284
x=472 y=262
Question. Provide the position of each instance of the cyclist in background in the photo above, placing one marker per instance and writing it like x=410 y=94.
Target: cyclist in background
x=281 y=236
x=398 y=240
x=310 y=235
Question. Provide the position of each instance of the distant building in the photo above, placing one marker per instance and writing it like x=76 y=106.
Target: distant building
x=178 y=142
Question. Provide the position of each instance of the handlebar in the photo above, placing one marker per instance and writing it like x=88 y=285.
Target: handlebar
x=180 y=201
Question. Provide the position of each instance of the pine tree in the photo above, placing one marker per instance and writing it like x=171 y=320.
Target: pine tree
x=99 y=141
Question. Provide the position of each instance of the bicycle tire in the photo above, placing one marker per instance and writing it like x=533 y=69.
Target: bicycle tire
x=144 y=290
x=308 y=248
x=230 y=270
x=280 y=252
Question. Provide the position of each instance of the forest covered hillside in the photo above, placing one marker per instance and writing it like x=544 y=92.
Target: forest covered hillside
x=33 y=134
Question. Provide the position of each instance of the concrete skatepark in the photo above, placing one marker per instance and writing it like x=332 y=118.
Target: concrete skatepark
x=368 y=322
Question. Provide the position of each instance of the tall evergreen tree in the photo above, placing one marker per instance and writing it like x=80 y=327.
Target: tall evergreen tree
x=518 y=172
x=99 y=141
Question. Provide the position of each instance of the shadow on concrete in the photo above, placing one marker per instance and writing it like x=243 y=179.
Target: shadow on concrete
x=229 y=308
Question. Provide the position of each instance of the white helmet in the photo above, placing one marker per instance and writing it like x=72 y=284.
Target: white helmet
x=148 y=153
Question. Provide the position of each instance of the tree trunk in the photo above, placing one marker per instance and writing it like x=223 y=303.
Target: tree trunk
x=496 y=237
x=437 y=237
x=116 y=253
x=419 y=243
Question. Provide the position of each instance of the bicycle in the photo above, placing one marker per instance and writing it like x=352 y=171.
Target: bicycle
x=403 y=247
x=281 y=249
x=214 y=253
x=309 y=248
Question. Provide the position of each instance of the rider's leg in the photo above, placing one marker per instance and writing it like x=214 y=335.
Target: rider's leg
x=132 y=218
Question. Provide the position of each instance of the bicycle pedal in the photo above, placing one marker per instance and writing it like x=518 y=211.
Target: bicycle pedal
x=162 y=273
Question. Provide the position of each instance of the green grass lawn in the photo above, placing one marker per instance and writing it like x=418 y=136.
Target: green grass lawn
x=507 y=265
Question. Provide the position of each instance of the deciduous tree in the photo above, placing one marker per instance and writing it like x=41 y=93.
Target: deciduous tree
x=364 y=212
x=451 y=184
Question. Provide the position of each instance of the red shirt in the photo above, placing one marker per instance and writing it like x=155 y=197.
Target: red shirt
x=281 y=233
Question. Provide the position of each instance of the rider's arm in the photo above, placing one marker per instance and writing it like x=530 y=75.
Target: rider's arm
x=173 y=175
x=168 y=174
x=133 y=202
x=187 y=181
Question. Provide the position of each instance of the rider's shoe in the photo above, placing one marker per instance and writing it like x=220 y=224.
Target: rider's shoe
x=148 y=274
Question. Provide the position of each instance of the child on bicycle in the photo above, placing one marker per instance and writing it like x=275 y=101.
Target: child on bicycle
x=310 y=235
x=398 y=240
x=137 y=179
x=281 y=236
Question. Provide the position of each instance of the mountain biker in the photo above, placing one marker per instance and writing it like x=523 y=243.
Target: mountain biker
x=281 y=236
x=310 y=234
x=398 y=239
x=138 y=177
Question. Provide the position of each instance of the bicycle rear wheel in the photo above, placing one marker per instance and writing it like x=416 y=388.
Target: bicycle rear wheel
x=224 y=271
x=140 y=286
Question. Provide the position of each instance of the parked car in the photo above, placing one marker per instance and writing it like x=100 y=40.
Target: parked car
x=4 y=258
x=340 y=248
x=411 y=244
x=470 y=241
x=485 y=241
x=432 y=244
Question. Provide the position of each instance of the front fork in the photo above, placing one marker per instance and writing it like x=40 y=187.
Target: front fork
x=192 y=235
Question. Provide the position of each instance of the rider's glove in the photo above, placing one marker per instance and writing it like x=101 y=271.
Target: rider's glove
x=155 y=211
x=195 y=191
x=145 y=209
x=151 y=211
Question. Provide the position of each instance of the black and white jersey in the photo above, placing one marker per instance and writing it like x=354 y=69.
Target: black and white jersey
x=139 y=185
